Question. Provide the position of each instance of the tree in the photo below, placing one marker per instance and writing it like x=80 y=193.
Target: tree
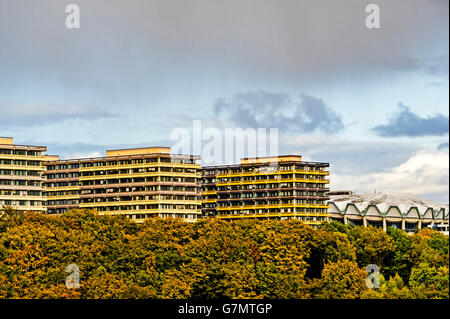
x=328 y=247
x=373 y=245
x=428 y=246
x=398 y=262
x=170 y=258
x=429 y=282
x=341 y=280
x=10 y=217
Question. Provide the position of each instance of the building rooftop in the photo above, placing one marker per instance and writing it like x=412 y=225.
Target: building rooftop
x=124 y=154
x=269 y=159
x=139 y=151
x=8 y=143
x=385 y=200
x=6 y=140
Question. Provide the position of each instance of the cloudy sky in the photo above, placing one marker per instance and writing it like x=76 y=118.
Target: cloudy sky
x=372 y=102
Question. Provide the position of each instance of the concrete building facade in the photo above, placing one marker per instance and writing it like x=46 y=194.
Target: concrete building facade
x=139 y=183
x=281 y=187
x=144 y=182
x=22 y=176
x=382 y=209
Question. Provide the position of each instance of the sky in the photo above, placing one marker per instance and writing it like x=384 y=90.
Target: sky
x=371 y=102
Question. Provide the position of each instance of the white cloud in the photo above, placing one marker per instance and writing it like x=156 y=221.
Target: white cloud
x=82 y=155
x=349 y=156
x=425 y=173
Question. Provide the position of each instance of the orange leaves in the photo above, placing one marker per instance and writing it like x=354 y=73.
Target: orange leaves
x=342 y=280
x=169 y=258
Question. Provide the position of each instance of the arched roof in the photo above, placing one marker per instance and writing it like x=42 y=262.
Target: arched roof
x=387 y=205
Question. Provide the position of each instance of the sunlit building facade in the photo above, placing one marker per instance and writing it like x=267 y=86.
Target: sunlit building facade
x=21 y=176
x=138 y=183
x=281 y=187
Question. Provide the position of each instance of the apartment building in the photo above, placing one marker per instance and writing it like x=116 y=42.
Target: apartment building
x=21 y=176
x=144 y=182
x=138 y=183
x=281 y=187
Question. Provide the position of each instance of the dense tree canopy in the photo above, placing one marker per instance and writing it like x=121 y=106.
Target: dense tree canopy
x=169 y=258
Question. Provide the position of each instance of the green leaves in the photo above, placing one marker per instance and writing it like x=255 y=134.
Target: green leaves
x=341 y=280
x=169 y=258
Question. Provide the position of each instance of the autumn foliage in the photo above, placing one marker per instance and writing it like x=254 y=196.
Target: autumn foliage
x=169 y=258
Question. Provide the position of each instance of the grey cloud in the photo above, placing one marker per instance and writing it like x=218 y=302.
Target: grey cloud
x=33 y=115
x=437 y=66
x=433 y=65
x=350 y=157
x=443 y=146
x=355 y=161
x=260 y=109
x=406 y=123
x=303 y=39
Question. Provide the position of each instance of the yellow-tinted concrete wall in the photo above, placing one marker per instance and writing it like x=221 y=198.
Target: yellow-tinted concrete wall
x=6 y=140
x=139 y=151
